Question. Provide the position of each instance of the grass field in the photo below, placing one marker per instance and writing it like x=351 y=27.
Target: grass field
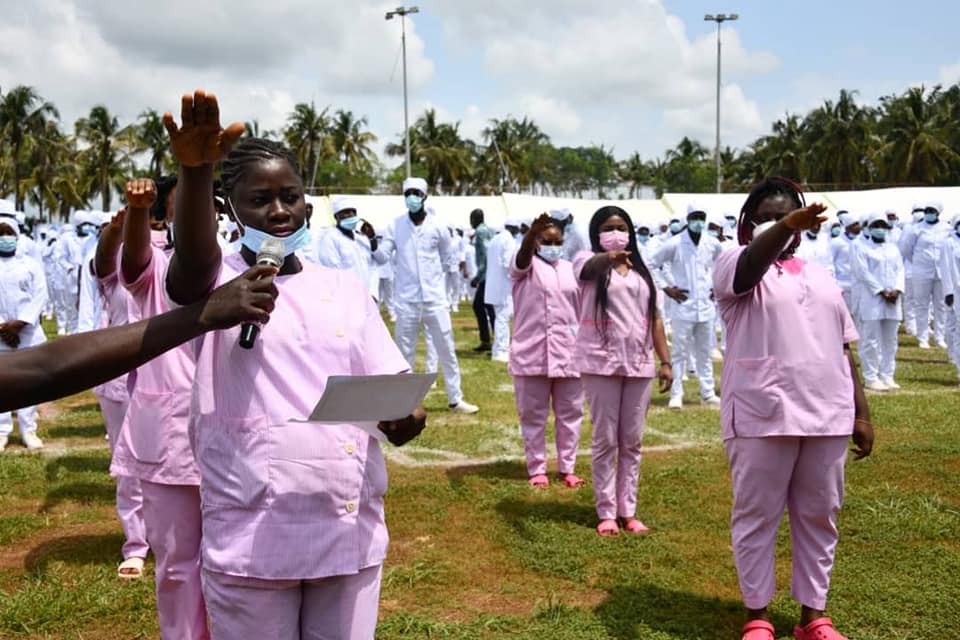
x=476 y=553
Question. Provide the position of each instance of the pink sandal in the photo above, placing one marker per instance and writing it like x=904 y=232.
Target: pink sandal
x=608 y=528
x=633 y=525
x=819 y=629
x=540 y=481
x=758 y=630
x=572 y=481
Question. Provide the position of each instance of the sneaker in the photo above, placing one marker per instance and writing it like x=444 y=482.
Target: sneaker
x=464 y=407
x=942 y=344
x=875 y=385
x=676 y=403
x=890 y=383
x=31 y=440
x=393 y=317
x=500 y=357
x=483 y=348
x=923 y=345
x=716 y=356
x=712 y=400
x=3 y=442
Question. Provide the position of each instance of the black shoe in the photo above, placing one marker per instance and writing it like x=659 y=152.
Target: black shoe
x=483 y=348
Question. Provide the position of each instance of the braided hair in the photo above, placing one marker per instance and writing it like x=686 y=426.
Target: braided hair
x=602 y=280
x=772 y=186
x=165 y=184
x=249 y=152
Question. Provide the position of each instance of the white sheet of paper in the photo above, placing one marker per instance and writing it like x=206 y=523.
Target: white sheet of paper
x=367 y=400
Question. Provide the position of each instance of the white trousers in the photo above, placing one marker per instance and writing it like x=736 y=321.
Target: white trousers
x=909 y=313
x=952 y=333
x=436 y=323
x=928 y=292
x=386 y=295
x=692 y=340
x=501 y=329
x=27 y=417
x=878 y=349
x=453 y=287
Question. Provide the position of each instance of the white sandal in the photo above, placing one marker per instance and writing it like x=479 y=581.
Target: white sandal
x=130 y=569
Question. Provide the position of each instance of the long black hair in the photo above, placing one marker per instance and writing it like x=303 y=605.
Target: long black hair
x=603 y=279
x=772 y=186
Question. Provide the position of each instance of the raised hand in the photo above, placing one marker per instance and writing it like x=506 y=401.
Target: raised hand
x=400 y=432
x=250 y=297
x=116 y=222
x=620 y=258
x=141 y=194
x=541 y=224
x=200 y=139
x=806 y=217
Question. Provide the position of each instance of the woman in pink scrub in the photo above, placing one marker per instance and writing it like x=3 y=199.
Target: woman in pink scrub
x=546 y=303
x=791 y=399
x=154 y=445
x=294 y=535
x=619 y=331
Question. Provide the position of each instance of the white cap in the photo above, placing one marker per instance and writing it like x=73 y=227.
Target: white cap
x=936 y=205
x=12 y=223
x=415 y=183
x=68 y=228
x=7 y=208
x=917 y=206
x=865 y=218
x=877 y=216
x=846 y=219
x=103 y=217
x=341 y=203
x=80 y=217
x=512 y=221
x=693 y=207
x=717 y=220
x=559 y=214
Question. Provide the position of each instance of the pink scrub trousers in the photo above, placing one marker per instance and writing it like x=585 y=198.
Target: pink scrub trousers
x=533 y=406
x=334 y=608
x=129 y=494
x=804 y=475
x=172 y=514
x=618 y=408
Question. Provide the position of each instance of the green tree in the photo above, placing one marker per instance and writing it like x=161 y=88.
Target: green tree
x=915 y=135
x=23 y=114
x=106 y=163
x=148 y=136
x=841 y=142
x=307 y=133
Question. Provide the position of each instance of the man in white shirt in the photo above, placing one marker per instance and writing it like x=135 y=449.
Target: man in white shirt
x=420 y=246
x=351 y=245
x=687 y=279
x=840 y=248
x=815 y=247
x=499 y=291
x=921 y=244
x=950 y=269
x=23 y=295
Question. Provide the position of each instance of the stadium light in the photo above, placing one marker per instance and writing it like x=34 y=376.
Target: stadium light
x=403 y=12
x=720 y=18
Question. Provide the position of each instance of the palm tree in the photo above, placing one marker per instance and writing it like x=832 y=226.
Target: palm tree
x=350 y=142
x=307 y=133
x=841 y=142
x=251 y=129
x=784 y=151
x=438 y=150
x=106 y=163
x=513 y=144
x=149 y=136
x=635 y=172
x=23 y=113
x=914 y=134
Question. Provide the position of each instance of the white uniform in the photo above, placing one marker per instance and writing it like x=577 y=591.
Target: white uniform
x=498 y=291
x=453 y=271
x=950 y=269
x=68 y=257
x=337 y=250
x=23 y=296
x=689 y=267
x=816 y=250
x=878 y=267
x=419 y=253
x=840 y=254
x=921 y=245
x=575 y=240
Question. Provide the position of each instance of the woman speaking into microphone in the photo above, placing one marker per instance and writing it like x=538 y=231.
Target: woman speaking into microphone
x=294 y=535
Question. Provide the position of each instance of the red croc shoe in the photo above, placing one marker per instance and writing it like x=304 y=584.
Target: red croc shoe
x=819 y=629
x=757 y=630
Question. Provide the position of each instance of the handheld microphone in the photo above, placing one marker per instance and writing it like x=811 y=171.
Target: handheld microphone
x=271 y=253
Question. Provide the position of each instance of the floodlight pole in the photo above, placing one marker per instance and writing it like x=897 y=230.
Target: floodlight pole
x=720 y=18
x=403 y=12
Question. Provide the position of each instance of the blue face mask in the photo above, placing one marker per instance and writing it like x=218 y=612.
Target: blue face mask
x=675 y=227
x=349 y=224
x=713 y=233
x=253 y=238
x=643 y=238
x=931 y=218
x=8 y=244
x=550 y=253
x=732 y=223
x=834 y=232
x=878 y=234
x=414 y=203
x=851 y=236
x=695 y=226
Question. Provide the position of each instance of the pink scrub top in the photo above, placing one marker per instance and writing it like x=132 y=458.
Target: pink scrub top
x=115 y=300
x=154 y=444
x=282 y=499
x=625 y=346
x=546 y=304
x=784 y=373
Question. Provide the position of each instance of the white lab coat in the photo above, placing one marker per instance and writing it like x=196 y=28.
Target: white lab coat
x=680 y=263
x=816 y=251
x=878 y=267
x=575 y=239
x=337 y=250
x=920 y=244
x=840 y=254
x=499 y=252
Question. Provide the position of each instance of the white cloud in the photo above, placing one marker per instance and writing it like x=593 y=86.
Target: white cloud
x=950 y=73
x=740 y=118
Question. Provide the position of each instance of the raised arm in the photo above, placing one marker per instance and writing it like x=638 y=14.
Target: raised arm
x=764 y=249
x=105 y=259
x=198 y=144
x=74 y=363
x=531 y=242
x=137 y=252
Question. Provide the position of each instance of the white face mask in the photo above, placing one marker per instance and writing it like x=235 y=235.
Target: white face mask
x=759 y=229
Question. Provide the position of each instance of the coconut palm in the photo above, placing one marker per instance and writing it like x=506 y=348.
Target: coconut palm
x=105 y=160
x=23 y=113
x=307 y=133
x=149 y=136
x=251 y=129
x=841 y=141
x=915 y=148
x=440 y=152
x=351 y=142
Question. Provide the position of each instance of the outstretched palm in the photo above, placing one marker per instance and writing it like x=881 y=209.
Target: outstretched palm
x=200 y=140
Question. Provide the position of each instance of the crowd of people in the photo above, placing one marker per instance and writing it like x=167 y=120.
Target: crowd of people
x=265 y=526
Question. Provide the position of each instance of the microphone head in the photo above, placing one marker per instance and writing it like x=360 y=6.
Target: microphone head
x=272 y=252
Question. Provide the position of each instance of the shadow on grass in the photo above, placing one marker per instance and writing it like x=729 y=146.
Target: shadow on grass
x=78 y=464
x=520 y=513
x=75 y=550
x=80 y=492
x=505 y=470
x=91 y=430
x=680 y=614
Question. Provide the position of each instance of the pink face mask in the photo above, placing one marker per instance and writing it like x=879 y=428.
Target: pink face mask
x=614 y=240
